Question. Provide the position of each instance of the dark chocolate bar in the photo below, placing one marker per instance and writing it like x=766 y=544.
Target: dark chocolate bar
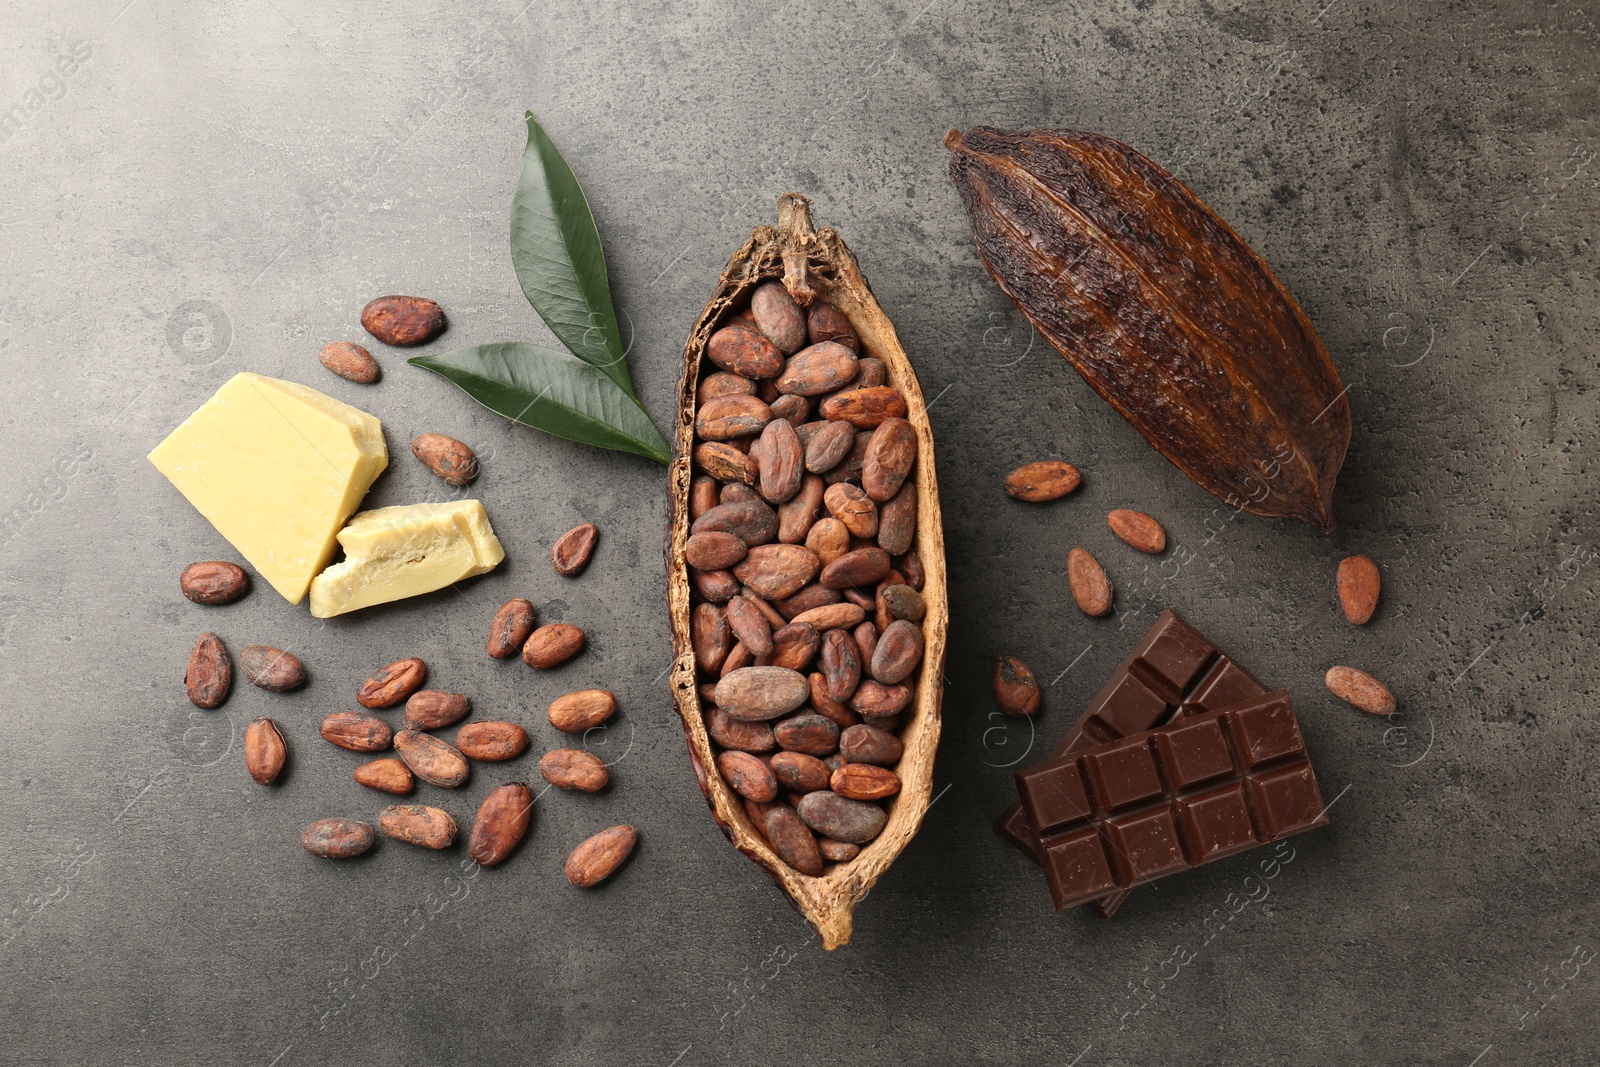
x=1173 y=672
x=1155 y=803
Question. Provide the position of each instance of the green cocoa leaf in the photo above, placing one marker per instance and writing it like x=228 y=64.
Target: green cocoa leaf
x=551 y=391
x=555 y=249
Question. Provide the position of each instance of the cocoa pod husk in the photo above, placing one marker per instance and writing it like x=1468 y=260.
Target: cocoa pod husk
x=264 y=751
x=600 y=856
x=501 y=824
x=403 y=320
x=393 y=684
x=571 y=553
x=1163 y=310
x=213 y=582
x=209 y=676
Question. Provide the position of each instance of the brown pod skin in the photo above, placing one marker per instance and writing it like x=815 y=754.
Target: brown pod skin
x=445 y=456
x=749 y=625
x=1360 y=690
x=724 y=418
x=418 y=824
x=792 y=840
x=393 y=684
x=859 y=568
x=798 y=772
x=209 y=676
x=264 y=751
x=1016 y=690
x=599 y=857
x=868 y=744
x=387 y=775
x=1046 y=480
x=828 y=446
x=898 y=653
x=726 y=463
x=852 y=507
x=434 y=709
x=574 y=769
x=491 y=742
x=702 y=496
x=864 y=781
x=403 y=320
x=800 y=512
x=551 y=645
x=1359 y=584
x=570 y=554
x=897 y=522
x=733 y=733
x=865 y=409
x=748 y=776
x=825 y=322
x=751 y=521
x=841 y=664
x=837 y=851
x=745 y=352
x=357 y=731
x=214 y=582
x=272 y=669
x=584 y=710
x=778 y=317
x=714 y=550
x=351 y=362
x=1138 y=530
x=1164 y=310
x=721 y=383
x=510 y=629
x=1090 y=586
x=432 y=759
x=818 y=370
x=337 y=839
x=502 y=823
x=710 y=636
x=891 y=451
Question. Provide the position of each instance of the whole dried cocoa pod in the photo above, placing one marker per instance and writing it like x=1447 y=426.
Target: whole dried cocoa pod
x=1046 y=480
x=387 y=775
x=492 y=742
x=584 y=710
x=1090 y=586
x=1359 y=583
x=351 y=362
x=337 y=839
x=571 y=768
x=403 y=320
x=418 y=824
x=209 y=676
x=512 y=625
x=272 y=669
x=434 y=709
x=502 y=823
x=1164 y=310
x=357 y=731
x=433 y=759
x=551 y=645
x=214 y=582
x=570 y=554
x=1016 y=690
x=599 y=857
x=264 y=751
x=1360 y=689
x=1138 y=530
x=393 y=684
x=445 y=456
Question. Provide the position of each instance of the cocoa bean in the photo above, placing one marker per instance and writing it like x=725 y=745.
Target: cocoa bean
x=357 y=731
x=1358 y=583
x=599 y=857
x=1138 y=530
x=774 y=618
x=910 y=565
x=898 y=653
x=713 y=550
x=861 y=567
x=749 y=625
x=209 y=675
x=747 y=776
x=729 y=732
x=492 y=742
x=778 y=317
x=393 y=684
x=891 y=451
x=781 y=461
x=852 y=507
x=828 y=445
x=551 y=645
x=829 y=539
x=1090 y=586
x=751 y=521
x=866 y=636
x=721 y=383
x=800 y=512
x=434 y=709
x=761 y=693
x=446 y=457
x=902 y=602
x=809 y=733
x=1046 y=480
x=841 y=664
x=387 y=775
x=715 y=586
x=271 y=669
x=865 y=409
x=744 y=352
x=502 y=823
x=337 y=839
x=571 y=768
x=509 y=630
x=570 y=554
x=725 y=463
x=739 y=657
x=798 y=772
x=727 y=417
x=868 y=744
x=403 y=320
x=1016 y=690
x=873 y=698
x=864 y=781
x=872 y=372
x=837 y=851
x=702 y=496
x=849 y=468
x=777 y=571
x=418 y=824
x=791 y=840
x=793 y=646
x=824 y=322
x=814 y=595
x=832 y=616
x=433 y=759
x=819 y=369
x=214 y=582
x=897 y=521
x=583 y=710
x=1360 y=689
x=794 y=410
x=826 y=706
x=264 y=751
x=351 y=362
x=831 y=815
x=710 y=636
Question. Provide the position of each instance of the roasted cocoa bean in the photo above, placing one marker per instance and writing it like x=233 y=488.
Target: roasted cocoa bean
x=798 y=772
x=710 y=636
x=600 y=856
x=357 y=731
x=824 y=322
x=713 y=550
x=791 y=839
x=492 y=742
x=1043 y=481
x=583 y=710
x=891 y=451
x=814 y=595
x=403 y=320
x=433 y=759
x=756 y=694
x=264 y=751
x=819 y=369
x=872 y=372
x=745 y=352
x=509 y=630
x=214 y=582
x=793 y=646
x=868 y=744
x=418 y=824
x=446 y=457
x=272 y=669
x=702 y=496
x=502 y=823
x=800 y=512
x=749 y=625
x=751 y=521
x=866 y=636
x=858 y=568
x=781 y=460
x=716 y=586
x=1360 y=690
x=865 y=409
x=337 y=839
x=747 y=776
x=910 y=565
x=721 y=383
x=898 y=653
x=837 y=851
x=778 y=317
x=777 y=571
x=1138 y=530
x=387 y=775
x=809 y=733
x=351 y=362
x=1016 y=690
x=841 y=664
x=1090 y=586
x=570 y=554
x=864 y=781
x=571 y=768
x=873 y=698
x=434 y=709
x=829 y=539
x=831 y=815
x=727 y=417
x=832 y=616
x=794 y=410
x=739 y=657
x=552 y=644
x=725 y=463
x=849 y=468
x=209 y=676
x=393 y=684
x=729 y=732
x=897 y=521
x=828 y=446
x=852 y=507
x=1358 y=583
x=902 y=602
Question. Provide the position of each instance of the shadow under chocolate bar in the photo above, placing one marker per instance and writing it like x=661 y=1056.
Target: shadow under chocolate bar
x=1173 y=672
x=1159 y=802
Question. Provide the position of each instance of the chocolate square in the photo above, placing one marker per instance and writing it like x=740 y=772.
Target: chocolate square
x=1287 y=800
x=1053 y=795
x=1193 y=753
x=1078 y=868
x=1144 y=844
x=1265 y=729
x=1120 y=774
x=1216 y=823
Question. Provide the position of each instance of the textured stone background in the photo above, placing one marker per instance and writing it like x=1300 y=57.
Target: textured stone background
x=221 y=187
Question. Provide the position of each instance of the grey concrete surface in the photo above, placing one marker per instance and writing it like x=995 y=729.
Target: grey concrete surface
x=188 y=190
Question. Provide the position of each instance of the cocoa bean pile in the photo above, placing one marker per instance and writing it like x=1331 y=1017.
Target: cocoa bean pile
x=807 y=620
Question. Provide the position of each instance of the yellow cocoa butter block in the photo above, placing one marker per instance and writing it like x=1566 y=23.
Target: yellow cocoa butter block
x=394 y=553
x=277 y=468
